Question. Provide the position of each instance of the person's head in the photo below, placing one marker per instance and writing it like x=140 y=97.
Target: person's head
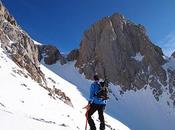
x=96 y=78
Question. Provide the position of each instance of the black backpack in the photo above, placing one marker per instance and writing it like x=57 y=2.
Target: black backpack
x=103 y=92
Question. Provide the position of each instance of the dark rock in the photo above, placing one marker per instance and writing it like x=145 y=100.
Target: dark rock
x=73 y=55
x=50 y=54
x=57 y=93
x=173 y=55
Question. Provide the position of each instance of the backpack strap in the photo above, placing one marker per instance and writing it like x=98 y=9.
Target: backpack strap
x=100 y=89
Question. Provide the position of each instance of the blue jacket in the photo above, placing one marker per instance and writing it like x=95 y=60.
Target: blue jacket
x=94 y=99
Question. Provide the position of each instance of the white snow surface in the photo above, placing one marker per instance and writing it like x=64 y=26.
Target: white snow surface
x=25 y=105
x=138 y=110
x=138 y=57
x=37 y=43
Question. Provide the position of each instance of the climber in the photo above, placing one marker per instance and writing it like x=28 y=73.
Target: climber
x=96 y=103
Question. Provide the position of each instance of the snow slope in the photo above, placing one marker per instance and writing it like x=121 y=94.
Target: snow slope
x=25 y=105
x=138 y=110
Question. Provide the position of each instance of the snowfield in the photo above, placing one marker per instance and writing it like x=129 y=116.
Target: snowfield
x=25 y=105
x=138 y=110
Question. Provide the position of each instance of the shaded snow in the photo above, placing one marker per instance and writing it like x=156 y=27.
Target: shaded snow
x=138 y=57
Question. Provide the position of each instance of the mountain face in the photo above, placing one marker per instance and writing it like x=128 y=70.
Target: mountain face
x=19 y=45
x=120 y=50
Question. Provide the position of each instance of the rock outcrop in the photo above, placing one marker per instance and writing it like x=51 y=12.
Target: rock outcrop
x=73 y=55
x=120 y=50
x=50 y=54
x=19 y=46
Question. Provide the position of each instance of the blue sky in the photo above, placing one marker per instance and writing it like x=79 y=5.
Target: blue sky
x=62 y=22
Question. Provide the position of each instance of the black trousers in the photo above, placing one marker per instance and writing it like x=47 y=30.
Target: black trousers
x=90 y=112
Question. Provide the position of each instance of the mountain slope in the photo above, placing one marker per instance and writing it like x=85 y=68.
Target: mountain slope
x=28 y=106
x=138 y=110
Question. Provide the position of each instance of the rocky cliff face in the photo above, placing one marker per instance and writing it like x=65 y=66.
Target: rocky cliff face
x=50 y=54
x=121 y=51
x=19 y=45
